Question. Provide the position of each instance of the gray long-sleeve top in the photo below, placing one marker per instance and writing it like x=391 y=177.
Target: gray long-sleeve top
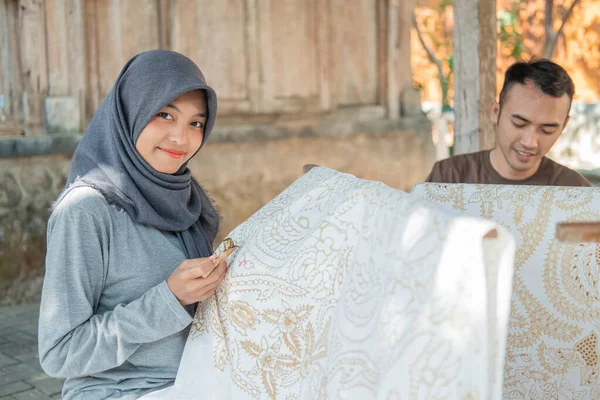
x=108 y=322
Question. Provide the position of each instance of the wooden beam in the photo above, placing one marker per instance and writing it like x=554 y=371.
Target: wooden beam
x=252 y=39
x=392 y=60
x=164 y=23
x=393 y=50
x=10 y=70
x=65 y=36
x=403 y=66
x=578 y=232
x=324 y=42
x=58 y=45
x=34 y=68
x=92 y=56
x=78 y=69
x=474 y=74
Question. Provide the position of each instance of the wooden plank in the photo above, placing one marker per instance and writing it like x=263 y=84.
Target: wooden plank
x=15 y=61
x=143 y=35
x=65 y=35
x=325 y=43
x=474 y=74
x=578 y=232
x=184 y=26
x=252 y=52
x=110 y=43
x=115 y=38
x=93 y=96
x=164 y=23
x=225 y=66
x=356 y=26
x=8 y=130
x=5 y=67
x=402 y=64
x=266 y=58
x=76 y=54
x=382 y=50
x=393 y=57
x=58 y=48
x=293 y=44
x=34 y=67
x=10 y=70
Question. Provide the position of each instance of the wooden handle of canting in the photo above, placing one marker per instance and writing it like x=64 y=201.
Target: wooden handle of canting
x=224 y=254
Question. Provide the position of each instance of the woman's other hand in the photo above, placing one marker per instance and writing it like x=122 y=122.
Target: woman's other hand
x=187 y=283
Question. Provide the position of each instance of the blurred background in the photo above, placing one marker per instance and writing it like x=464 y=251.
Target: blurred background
x=362 y=86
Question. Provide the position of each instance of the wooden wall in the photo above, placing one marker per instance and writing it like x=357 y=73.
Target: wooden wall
x=261 y=56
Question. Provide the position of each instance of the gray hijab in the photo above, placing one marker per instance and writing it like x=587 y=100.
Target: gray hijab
x=107 y=160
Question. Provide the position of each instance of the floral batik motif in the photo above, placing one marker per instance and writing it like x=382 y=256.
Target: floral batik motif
x=346 y=288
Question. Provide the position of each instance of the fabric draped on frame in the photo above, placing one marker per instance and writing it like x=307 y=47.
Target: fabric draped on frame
x=552 y=344
x=346 y=288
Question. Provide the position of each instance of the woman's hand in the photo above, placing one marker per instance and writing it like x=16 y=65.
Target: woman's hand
x=186 y=281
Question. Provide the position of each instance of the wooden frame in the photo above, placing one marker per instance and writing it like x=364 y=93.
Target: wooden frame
x=584 y=232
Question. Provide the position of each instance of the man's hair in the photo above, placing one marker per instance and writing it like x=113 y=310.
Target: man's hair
x=549 y=77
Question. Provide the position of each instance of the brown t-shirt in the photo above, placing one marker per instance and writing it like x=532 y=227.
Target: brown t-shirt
x=477 y=168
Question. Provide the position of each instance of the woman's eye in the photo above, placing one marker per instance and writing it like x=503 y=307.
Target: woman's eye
x=164 y=115
x=519 y=125
x=198 y=124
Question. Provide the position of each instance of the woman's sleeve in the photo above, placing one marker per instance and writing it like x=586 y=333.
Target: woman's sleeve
x=73 y=339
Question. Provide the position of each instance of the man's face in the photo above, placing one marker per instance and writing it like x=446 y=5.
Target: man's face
x=529 y=124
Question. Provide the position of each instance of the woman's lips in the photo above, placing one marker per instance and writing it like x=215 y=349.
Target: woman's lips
x=172 y=153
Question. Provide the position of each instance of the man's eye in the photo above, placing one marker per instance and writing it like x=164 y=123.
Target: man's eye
x=519 y=125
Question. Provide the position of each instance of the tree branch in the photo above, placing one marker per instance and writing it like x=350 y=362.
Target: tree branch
x=548 y=16
x=551 y=37
x=428 y=50
x=566 y=17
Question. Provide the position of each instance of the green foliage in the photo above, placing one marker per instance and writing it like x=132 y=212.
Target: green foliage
x=509 y=34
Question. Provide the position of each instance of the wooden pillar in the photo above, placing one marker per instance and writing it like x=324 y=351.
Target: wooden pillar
x=10 y=69
x=403 y=67
x=65 y=36
x=324 y=43
x=393 y=60
x=474 y=74
x=164 y=23
x=34 y=68
x=395 y=72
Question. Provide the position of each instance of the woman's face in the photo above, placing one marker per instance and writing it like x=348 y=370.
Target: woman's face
x=175 y=133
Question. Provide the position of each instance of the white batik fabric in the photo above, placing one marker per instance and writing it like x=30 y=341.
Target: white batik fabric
x=552 y=345
x=345 y=288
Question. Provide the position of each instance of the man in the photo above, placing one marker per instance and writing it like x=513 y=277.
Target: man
x=533 y=111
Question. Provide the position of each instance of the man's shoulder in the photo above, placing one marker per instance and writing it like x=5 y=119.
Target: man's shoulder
x=565 y=176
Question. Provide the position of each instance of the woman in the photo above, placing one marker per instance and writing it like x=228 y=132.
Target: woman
x=131 y=236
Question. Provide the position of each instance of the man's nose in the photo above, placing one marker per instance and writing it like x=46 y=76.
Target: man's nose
x=529 y=139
